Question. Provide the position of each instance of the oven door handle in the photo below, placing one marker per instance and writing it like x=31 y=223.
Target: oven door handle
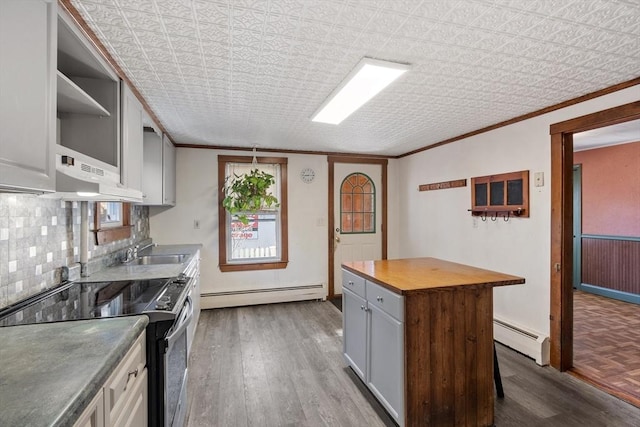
x=181 y=325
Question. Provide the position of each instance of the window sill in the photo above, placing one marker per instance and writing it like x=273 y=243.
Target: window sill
x=254 y=266
x=108 y=235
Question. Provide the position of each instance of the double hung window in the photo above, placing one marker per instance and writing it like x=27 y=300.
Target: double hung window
x=261 y=242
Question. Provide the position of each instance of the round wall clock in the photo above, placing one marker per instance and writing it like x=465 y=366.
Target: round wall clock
x=307 y=175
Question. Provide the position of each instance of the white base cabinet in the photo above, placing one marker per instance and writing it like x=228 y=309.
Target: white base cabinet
x=373 y=340
x=194 y=294
x=355 y=332
x=386 y=365
x=93 y=415
x=122 y=401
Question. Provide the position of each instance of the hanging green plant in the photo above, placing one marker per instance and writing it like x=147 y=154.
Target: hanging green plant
x=247 y=193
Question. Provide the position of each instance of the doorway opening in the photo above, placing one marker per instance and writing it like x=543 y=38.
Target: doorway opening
x=562 y=225
x=606 y=274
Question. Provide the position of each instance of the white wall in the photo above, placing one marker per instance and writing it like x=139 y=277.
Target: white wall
x=197 y=200
x=432 y=223
x=436 y=223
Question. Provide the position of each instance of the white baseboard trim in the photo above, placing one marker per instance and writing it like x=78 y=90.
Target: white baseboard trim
x=523 y=340
x=262 y=296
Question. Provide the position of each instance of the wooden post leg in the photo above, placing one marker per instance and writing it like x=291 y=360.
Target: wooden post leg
x=496 y=373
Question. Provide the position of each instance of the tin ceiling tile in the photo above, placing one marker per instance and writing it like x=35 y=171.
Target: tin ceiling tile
x=248 y=72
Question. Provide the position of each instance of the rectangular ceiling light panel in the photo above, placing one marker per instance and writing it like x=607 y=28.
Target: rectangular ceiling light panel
x=366 y=80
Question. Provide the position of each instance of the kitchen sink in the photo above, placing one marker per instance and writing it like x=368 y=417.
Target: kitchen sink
x=159 y=259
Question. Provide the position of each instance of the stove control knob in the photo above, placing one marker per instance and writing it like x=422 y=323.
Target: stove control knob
x=163 y=303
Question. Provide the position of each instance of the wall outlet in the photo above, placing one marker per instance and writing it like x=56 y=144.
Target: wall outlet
x=196 y=224
x=538 y=178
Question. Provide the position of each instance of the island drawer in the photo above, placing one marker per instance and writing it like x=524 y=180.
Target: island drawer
x=353 y=282
x=388 y=301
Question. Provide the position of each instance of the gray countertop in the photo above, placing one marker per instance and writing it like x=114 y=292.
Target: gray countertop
x=139 y=272
x=50 y=372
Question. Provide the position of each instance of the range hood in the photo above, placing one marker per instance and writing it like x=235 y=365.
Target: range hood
x=72 y=188
x=79 y=177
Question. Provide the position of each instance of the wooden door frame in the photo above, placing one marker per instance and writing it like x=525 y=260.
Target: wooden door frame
x=383 y=224
x=561 y=266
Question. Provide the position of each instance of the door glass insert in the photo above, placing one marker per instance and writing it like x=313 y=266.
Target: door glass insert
x=357 y=204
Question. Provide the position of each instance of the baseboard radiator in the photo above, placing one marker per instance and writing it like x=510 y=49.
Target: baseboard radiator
x=526 y=341
x=262 y=296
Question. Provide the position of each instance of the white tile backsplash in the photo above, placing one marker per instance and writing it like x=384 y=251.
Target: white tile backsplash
x=39 y=236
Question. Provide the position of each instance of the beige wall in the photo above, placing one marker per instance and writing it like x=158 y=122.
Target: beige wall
x=436 y=223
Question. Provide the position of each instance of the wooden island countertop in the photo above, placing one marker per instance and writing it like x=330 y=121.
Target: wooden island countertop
x=409 y=275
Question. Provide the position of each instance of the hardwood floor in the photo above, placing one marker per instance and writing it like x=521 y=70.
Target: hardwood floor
x=282 y=365
x=606 y=344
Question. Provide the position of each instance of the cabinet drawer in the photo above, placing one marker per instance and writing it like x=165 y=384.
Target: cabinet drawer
x=123 y=381
x=387 y=301
x=135 y=412
x=353 y=282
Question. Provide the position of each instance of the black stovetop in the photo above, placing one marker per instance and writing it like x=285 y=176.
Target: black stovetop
x=74 y=301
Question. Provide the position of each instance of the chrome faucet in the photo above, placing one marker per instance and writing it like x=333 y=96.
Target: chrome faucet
x=128 y=255
x=131 y=254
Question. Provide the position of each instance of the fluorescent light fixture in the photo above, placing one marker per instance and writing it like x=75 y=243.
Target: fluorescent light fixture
x=364 y=82
x=86 y=194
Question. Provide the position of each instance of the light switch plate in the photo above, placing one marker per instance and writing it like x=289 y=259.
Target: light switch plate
x=539 y=179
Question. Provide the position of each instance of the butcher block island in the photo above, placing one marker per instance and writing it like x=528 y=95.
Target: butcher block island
x=419 y=333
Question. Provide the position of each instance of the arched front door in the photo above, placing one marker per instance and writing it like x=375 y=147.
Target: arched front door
x=357 y=227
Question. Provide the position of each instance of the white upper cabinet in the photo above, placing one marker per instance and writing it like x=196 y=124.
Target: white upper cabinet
x=152 y=183
x=88 y=105
x=132 y=140
x=28 y=93
x=159 y=187
x=169 y=171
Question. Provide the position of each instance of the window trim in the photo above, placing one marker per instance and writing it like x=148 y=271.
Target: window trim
x=224 y=265
x=106 y=235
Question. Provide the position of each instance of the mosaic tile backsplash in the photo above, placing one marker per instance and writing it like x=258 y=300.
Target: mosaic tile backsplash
x=38 y=236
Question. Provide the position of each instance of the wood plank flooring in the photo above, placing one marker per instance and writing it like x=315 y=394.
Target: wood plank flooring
x=282 y=365
x=606 y=344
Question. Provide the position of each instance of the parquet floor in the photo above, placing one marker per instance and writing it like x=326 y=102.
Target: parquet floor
x=606 y=344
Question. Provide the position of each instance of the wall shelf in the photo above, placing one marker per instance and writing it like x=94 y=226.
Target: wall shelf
x=504 y=195
x=73 y=99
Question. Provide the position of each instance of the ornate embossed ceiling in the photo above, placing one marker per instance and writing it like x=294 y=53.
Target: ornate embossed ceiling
x=252 y=72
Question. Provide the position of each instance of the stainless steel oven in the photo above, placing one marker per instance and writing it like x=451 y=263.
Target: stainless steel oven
x=175 y=368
